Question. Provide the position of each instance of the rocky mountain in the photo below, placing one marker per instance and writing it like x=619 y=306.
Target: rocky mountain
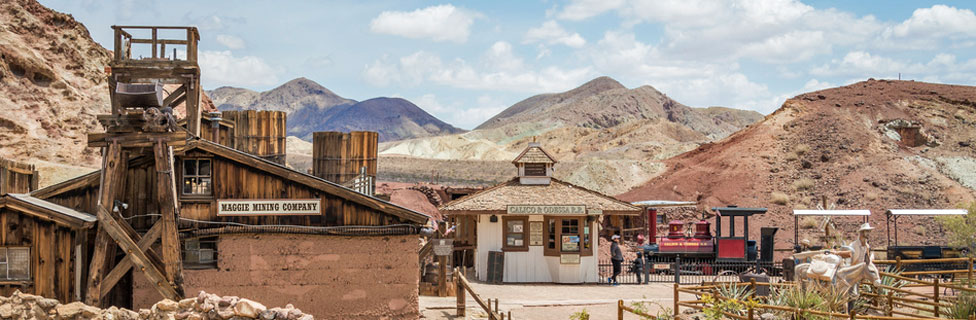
x=52 y=84
x=871 y=145
x=393 y=118
x=607 y=137
x=289 y=97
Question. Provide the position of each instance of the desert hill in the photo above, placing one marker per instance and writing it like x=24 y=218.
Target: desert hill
x=289 y=97
x=607 y=137
x=52 y=84
x=393 y=118
x=871 y=145
x=311 y=107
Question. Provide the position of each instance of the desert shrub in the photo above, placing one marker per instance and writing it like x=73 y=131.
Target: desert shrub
x=644 y=307
x=801 y=149
x=964 y=307
x=580 y=315
x=809 y=223
x=816 y=298
x=961 y=230
x=803 y=184
x=871 y=196
x=779 y=198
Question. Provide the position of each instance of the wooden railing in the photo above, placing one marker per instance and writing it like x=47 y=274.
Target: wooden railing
x=463 y=285
x=621 y=308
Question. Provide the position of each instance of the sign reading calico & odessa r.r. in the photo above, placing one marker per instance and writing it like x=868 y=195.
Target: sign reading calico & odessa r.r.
x=546 y=209
x=268 y=207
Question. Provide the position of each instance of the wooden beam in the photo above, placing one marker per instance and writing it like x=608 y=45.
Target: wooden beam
x=138 y=257
x=111 y=160
x=116 y=274
x=181 y=91
x=193 y=103
x=137 y=139
x=166 y=195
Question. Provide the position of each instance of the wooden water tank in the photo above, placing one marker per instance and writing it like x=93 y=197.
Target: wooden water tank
x=339 y=157
x=16 y=177
x=261 y=133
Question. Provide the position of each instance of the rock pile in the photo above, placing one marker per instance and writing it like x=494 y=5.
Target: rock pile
x=203 y=307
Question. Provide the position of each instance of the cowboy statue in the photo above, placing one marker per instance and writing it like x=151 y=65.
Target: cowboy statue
x=842 y=268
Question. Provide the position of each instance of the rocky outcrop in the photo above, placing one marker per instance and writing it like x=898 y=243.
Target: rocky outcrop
x=202 y=307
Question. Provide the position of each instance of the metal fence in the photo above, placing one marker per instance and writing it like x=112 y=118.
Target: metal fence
x=684 y=270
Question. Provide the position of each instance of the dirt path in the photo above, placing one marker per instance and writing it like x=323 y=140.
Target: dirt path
x=551 y=301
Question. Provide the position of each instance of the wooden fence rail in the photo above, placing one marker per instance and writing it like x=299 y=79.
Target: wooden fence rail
x=463 y=285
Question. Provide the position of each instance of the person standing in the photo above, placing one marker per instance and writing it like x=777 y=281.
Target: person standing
x=616 y=257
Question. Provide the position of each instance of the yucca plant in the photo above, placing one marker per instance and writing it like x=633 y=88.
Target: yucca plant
x=964 y=307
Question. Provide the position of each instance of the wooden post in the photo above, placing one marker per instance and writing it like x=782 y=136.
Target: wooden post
x=620 y=310
x=935 y=308
x=752 y=284
x=851 y=313
x=969 y=273
x=675 y=299
x=751 y=313
x=890 y=307
x=496 y=305
x=111 y=160
x=898 y=263
x=442 y=277
x=459 y=288
x=509 y=314
x=166 y=195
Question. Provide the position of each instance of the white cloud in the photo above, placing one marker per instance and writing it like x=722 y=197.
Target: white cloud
x=582 y=9
x=438 y=23
x=551 y=32
x=222 y=68
x=864 y=64
x=939 y=21
x=814 y=85
x=499 y=70
x=231 y=42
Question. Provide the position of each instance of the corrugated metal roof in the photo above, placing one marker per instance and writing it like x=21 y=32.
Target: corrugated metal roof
x=831 y=212
x=72 y=213
x=927 y=212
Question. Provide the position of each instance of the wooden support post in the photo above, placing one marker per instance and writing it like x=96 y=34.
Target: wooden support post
x=851 y=313
x=620 y=310
x=459 y=288
x=111 y=161
x=139 y=258
x=935 y=286
x=751 y=314
x=193 y=105
x=752 y=284
x=675 y=299
x=890 y=307
x=120 y=270
x=898 y=263
x=442 y=277
x=969 y=273
x=166 y=194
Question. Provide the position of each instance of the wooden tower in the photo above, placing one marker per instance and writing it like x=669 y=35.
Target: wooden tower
x=143 y=123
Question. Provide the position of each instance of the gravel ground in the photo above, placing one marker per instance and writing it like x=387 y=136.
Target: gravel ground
x=551 y=301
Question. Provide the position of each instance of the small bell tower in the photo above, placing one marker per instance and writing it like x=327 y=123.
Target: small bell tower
x=535 y=165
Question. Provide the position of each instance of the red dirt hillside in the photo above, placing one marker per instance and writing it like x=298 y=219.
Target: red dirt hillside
x=875 y=145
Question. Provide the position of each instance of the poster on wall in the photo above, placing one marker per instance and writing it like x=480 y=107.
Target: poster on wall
x=535 y=233
x=573 y=258
x=571 y=243
x=273 y=207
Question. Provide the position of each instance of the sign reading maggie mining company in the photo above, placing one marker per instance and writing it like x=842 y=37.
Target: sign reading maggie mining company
x=533 y=209
x=268 y=207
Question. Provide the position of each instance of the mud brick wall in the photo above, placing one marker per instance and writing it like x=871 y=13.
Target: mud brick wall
x=329 y=277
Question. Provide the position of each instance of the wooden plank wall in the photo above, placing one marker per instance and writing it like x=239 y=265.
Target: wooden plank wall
x=16 y=177
x=338 y=156
x=261 y=133
x=224 y=132
x=231 y=181
x=52 y=258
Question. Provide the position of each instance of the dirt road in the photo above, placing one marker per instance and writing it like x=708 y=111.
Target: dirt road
x=552 y=301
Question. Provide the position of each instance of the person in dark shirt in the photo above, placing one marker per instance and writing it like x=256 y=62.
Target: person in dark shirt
x=616 y=257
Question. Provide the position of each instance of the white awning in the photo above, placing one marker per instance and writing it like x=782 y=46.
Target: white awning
x=926 y=212
x=831 y=212
x=663 y=203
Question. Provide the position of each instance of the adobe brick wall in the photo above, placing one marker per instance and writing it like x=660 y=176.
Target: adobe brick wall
x=328 y=277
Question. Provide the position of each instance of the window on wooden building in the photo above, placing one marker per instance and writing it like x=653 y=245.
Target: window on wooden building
x=197 y=177
x=535 y=169
x=568 y=235
x=514 y=232
x=15 y=263
x=200 y=253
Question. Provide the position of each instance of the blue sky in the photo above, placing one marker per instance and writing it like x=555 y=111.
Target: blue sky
x=464 y=61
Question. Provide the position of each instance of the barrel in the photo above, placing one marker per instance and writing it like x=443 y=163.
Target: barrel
x=261 y=133
x=342 y=157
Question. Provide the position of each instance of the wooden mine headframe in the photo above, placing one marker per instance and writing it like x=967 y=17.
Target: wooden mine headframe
x=143 y=118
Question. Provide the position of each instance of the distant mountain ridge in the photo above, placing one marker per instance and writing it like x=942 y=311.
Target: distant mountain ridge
x=311 y=107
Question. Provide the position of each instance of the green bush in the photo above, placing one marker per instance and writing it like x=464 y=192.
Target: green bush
x=961 y=230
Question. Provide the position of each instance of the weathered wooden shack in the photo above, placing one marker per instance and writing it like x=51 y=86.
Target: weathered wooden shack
x=253 y=228
x=42 y=247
